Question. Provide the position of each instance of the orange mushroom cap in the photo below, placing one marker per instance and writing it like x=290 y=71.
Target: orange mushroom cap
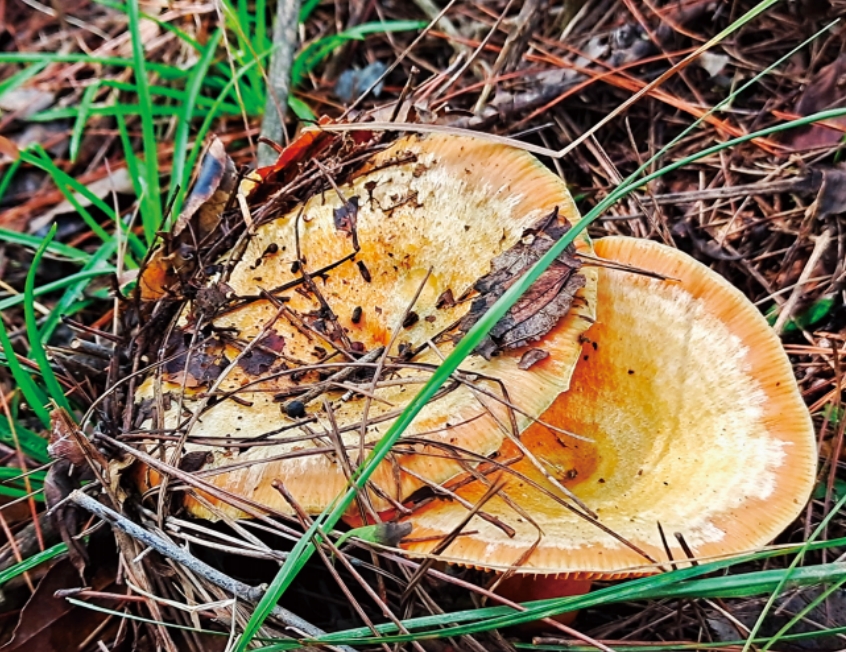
x=431 y=216
x=695 y=423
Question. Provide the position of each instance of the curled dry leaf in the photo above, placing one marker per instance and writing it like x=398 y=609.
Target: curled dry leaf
x=547 y=300
x=9 y=148
x=49 y=623
x=178 y=254
x=825 y=91
x=64 y=435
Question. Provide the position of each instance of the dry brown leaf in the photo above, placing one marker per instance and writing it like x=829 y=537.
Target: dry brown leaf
x=51 y=624
x=546 y=301
x=177 y=256
x=825 y=91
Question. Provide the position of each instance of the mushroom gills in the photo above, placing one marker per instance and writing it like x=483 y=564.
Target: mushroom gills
x=695 y=423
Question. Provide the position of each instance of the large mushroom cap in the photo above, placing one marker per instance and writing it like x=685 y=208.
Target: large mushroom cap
x=696 y=423
x=431 y=216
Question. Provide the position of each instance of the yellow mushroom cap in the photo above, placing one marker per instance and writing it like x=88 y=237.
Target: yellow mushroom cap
x=433 y=213
x=696 y=423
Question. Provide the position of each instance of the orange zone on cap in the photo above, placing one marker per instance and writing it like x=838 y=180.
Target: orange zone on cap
x=695 y=422
x=432 y=215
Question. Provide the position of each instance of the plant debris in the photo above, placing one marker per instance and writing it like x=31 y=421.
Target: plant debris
x=546 y=301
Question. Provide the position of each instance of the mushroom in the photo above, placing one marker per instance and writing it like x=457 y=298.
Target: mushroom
x=270 y=369
x=695 y=423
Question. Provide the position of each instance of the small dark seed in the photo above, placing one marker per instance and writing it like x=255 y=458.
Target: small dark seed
x=295 y=409
x=356 y=316
x=295 y=267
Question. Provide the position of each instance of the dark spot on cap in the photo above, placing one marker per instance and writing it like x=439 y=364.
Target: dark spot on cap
x=365 y=273
x=410 y=319
x=631 y=372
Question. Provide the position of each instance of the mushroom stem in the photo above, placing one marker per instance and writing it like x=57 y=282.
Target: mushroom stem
x=525 y=588
x=354 y=520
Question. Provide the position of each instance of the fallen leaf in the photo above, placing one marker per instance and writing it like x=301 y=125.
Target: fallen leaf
x=532 y=357
x=199 y=367
x=9 y=149
x=25 y=102
x=346 y=216
x=713 y=64
x=51 y=624
x=61 y=480
x=63 y=444
x=116 y=182
x=259 y=359
x=547 y=300
x=827 y=90
x=201 y=215
x=210 y=194
x=353 y=82
x=305 y=145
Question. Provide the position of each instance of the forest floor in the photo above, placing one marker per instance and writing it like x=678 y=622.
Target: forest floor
x=105 y=111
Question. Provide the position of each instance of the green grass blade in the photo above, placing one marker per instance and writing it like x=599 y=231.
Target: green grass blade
x=666 y=586
x=132 y=162
x=81 y=118
x=741 y=586
x=70 y=188
x=151 y=207
x=32 y=393
x=307 y=7
x=309 y=58
x=13 y=483
x=301 y=109
x=71 y=254
x=121 y=615
x=245 y=50
x=21 y=77
x=125 y=109
x=207 y=122
x=31 y=443
x=36 y=348
x=83 y=277
x=7 y=178
x=180 y=175
x=262 y=40
x=78 y=283
x=30 y=563
x=163 y=70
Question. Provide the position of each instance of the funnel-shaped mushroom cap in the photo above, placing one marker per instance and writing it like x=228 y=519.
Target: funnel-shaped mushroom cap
x=696 y=423
x=432 y=217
